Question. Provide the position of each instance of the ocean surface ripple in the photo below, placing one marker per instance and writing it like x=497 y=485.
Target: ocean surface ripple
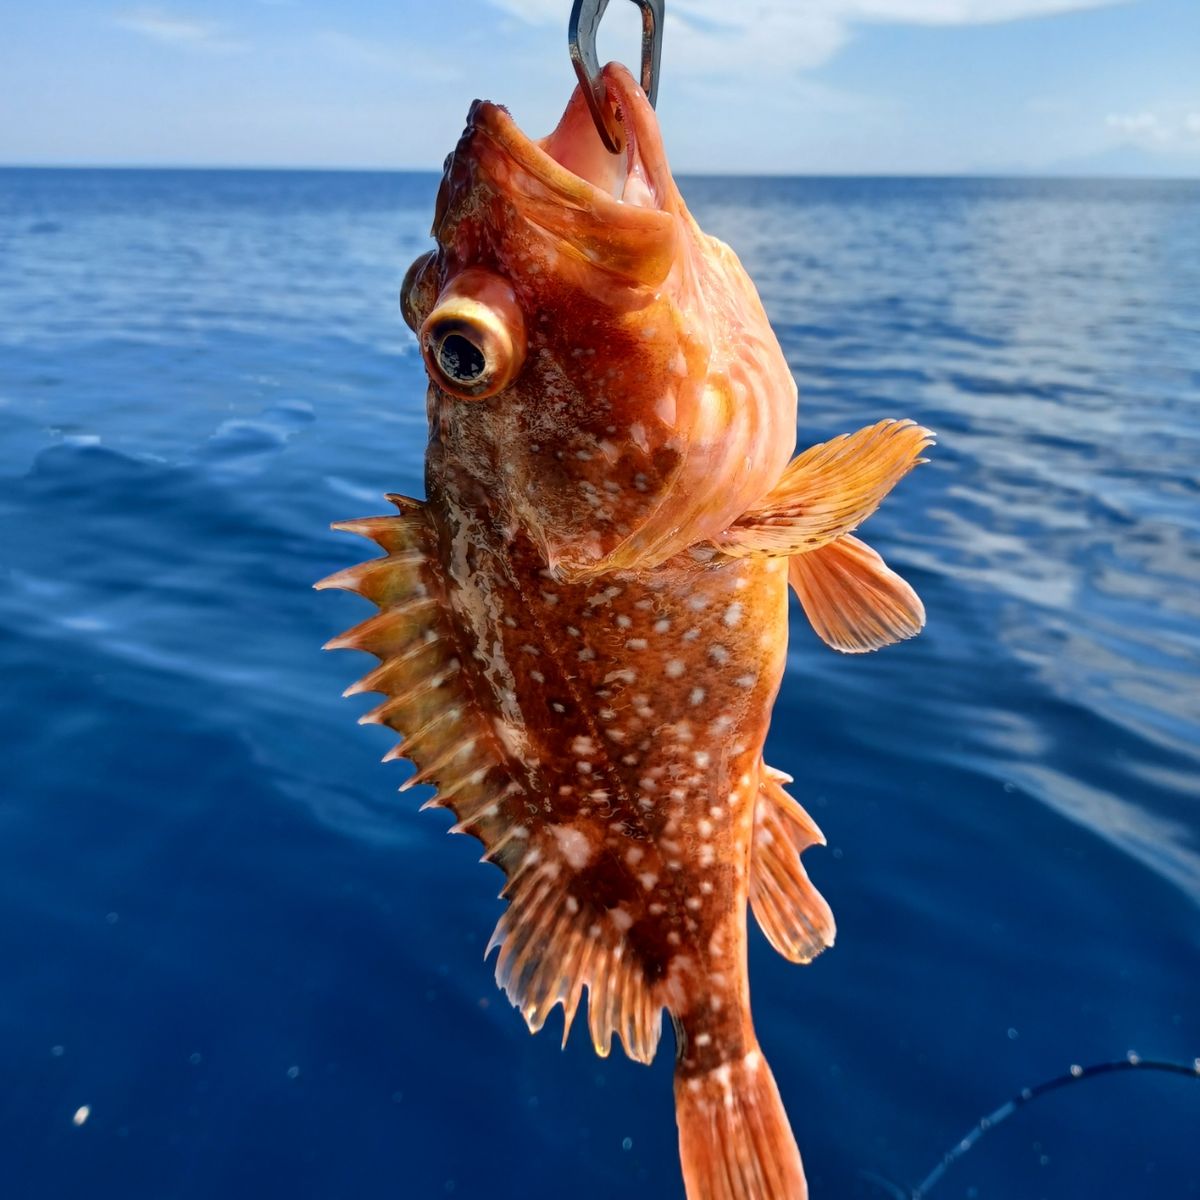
x=257 y=967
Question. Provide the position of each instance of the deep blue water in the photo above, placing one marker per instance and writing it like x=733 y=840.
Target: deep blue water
x=224 y=932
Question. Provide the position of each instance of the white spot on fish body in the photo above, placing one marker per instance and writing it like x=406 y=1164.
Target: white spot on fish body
x=625 y=675
x=621 y=919
x=574 y=845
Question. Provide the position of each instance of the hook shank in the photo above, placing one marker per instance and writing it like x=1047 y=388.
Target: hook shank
x=581 y=40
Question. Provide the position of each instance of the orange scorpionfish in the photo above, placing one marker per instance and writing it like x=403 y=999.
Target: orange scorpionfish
x=582 y=629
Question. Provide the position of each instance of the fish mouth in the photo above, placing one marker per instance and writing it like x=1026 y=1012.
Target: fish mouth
x=573 y=161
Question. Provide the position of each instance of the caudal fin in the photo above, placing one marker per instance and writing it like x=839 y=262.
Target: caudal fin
x=735 y=1142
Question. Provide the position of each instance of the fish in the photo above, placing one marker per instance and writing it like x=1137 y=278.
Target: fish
x=582 y=629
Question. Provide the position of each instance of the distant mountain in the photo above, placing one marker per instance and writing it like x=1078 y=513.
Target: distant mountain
x=1127 y=160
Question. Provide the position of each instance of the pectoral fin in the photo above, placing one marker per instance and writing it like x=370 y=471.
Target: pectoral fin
x=827 y=491
x=854 y=600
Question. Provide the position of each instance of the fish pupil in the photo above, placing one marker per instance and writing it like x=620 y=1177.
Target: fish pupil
x=460 y=359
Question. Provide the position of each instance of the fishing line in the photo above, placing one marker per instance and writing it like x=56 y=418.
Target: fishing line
x=1076 y=1074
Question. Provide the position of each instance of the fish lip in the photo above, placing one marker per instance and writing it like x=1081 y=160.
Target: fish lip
x=643 y=144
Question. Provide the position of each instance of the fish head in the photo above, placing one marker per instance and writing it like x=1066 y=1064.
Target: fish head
x=602 y=373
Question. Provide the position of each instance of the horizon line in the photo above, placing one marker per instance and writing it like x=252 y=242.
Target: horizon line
x=1025 y=174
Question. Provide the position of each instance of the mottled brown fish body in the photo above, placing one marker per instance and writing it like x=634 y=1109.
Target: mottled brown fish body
x=634 y=707
x=582 y=630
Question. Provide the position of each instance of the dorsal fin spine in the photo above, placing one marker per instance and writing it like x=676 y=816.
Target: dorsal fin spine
x=552 y=945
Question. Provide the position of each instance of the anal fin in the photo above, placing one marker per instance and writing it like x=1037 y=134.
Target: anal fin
x=792 y=913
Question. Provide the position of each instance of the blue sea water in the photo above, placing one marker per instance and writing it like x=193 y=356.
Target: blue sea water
x=262 y=972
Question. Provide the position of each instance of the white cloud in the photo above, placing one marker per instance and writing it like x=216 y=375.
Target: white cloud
x=707 y=35
x=1175 y=132
x=963 y=12
x=1139 y=127
x=723 y=15
x=173 y=29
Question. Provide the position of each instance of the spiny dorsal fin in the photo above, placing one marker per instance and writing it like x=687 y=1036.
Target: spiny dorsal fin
x=552 y=944
x=853 y=599
x=829 y=490
x=791 y=912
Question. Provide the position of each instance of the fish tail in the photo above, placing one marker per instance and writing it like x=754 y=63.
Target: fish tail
x=735 y=1142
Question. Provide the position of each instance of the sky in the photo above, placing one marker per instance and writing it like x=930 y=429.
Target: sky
x=773 y=86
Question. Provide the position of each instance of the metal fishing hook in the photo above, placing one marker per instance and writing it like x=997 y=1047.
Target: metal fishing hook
x=581 y=40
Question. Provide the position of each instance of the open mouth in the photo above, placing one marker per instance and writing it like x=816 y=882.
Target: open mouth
x=574 y=161
x=576 y=145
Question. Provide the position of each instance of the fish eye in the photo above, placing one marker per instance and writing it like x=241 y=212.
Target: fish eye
x=417 y=292
x=474 y=339
x=460 y=359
